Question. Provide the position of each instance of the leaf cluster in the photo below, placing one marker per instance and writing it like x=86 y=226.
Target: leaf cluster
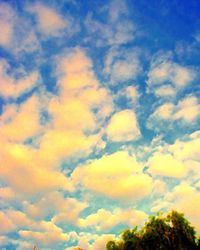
x=170 y=232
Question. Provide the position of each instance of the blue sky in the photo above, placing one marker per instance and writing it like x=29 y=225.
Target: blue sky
x=99 y=118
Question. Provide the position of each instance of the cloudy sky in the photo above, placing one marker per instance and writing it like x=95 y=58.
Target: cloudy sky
x=99 y=118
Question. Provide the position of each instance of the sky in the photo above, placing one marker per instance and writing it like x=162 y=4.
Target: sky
x=99 y=118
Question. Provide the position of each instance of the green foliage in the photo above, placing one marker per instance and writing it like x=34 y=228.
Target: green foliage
x=111 y=245
x=172 y=232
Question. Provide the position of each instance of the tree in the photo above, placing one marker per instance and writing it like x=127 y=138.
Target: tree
x=172 y=232
x=183 y=235
x=156 y=234
x=112 y=245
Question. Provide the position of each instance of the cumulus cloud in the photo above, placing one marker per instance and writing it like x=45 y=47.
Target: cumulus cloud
x=123 y=126
x=132 y=93
x=165 y=91
x=47 y=239
x=72 y=110
x=186 y=111
x=187 y=149
x=105 y=220
x=6 y=224
x=15 y=117
x=122 y=65
x=57 y=147
x=70 y=115
x=164 y=71
x=183 y=198
x=117 y=170
x=166 y=165
x=117 y=31
x=128 y=95
x=20 y=166
x=6 y=24
x=31 y=232
x=54 y=205
x=12 y=87
x=77 y=82
x=49 y=21
x=16 y=35
x=118 y=28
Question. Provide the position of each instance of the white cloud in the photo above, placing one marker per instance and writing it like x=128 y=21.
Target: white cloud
x=168 y=71
x=116 y=9
x=166 y=77
x=16 y=35
x=185 y=112
x=49 y=22
x=6 y=24
x=107 y=34
x=165 y=91
x=123 y=126
x=12 y=87
x=119 y=28
x=132 y=93
x=122 y=65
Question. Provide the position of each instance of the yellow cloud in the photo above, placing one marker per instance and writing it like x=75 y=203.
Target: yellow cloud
x=118 y=170
x=165 y=111
x=15 y=118
x=188 y=149
x=123 y=126
x=186 y=199
x=70 y=211
x=7 y=194
x=22 y=173
x=187 y=109
x=6 y=224
x=11 y=87
x=70 y=117
x=54 y=204
x=101 y=241
x=44 y=239
x=105 y=220
x=56 y=145
x=166 y=165
x=84 y=239
x=70 y=113
x=75 y=71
